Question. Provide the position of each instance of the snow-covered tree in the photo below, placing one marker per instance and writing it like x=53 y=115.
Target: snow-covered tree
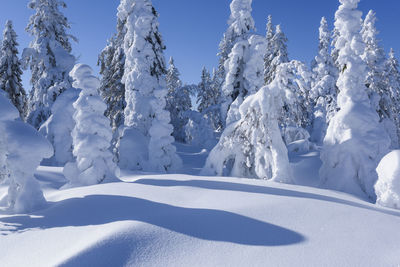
x=378 y=91
x=199 y=130
x=295 y=79
x=10 y=70
x=91 y=135
x=392 y=76
x=253 y=146
x=145 y=91
x=355 y=142
x=245 y=69
x=57 y=129
x=268 y=53
x=48 y=56
x=178 y=101
x=112 y=61
x=205 y=94
x=21 y=150
x=323 y=93
x=278 y=54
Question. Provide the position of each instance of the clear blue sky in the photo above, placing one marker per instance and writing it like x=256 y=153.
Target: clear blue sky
x=192 y=29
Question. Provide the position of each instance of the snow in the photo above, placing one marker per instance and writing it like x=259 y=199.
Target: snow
x=93 y=161
x=185 y=220
x=387 y=187
x=22 y=148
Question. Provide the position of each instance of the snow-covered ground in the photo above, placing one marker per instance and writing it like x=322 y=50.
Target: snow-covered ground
x=187 y=220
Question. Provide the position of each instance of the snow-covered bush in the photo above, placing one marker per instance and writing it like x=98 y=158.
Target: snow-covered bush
x=253 y=146
x=355 y=141
x=387 y=187
x=199 y=130
x=91 y=135
x=145 y=89
x=21 y=150
x=57 y=129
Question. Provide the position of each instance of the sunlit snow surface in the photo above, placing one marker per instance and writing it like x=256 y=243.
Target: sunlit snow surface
x=186 y=220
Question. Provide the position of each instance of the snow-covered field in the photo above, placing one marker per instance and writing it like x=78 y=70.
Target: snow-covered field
x=187 y=220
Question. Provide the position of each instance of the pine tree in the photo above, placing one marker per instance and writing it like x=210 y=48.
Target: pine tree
x=355 y=142
x=111 y=61
x=278 y=54
x=145 y=87
x=268 y=53
x=91 y=135
x=10 y=70
x=245 y=69
x=178 y=101
x=204 y=93
x=323 y=93
x=49 y=58
x=392 y=76
x=375 y=58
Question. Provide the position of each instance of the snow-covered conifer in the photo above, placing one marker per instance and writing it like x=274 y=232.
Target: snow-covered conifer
x=145 y=91
x=112 y=61
x=295 y=116
x=268 y=53
x=278 y=54
x=22 y=148
x=49 y=58
x=392 y=76
x=245 y=69
x=10 y=70
x=205 y=91
x=355 y=142
x=58 y=127
x=178 y=101
x=253 y=146
x=378 y=91
x=323 y=93
x=91 y=135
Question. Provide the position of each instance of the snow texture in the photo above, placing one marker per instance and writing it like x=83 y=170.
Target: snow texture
x=387 y=188
x=22 y=148
x=58 y=128
x=91 y=135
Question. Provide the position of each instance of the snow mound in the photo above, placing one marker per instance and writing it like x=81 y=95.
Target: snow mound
x=387 y=188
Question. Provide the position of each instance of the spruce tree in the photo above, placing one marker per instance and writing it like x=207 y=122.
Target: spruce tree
x=146 y=89
x=205 y=91
x=392 y=76
x=48 y=57
x=111 y=61
x=178 y=101
x=278 y=54
x=10 y=70
x=378 y=91
x=268 y=53
x=355 y=141
x=323 y=93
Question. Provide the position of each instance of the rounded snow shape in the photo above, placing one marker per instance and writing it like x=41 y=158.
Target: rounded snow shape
x=387 y=188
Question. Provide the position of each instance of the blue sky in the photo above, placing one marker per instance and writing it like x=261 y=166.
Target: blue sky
x=192 y=29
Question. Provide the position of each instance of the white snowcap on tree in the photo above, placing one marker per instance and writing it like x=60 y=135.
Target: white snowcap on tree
x=355 y=142
x=22 y=149
x=92 y=133
x=240 y=21
x=145 y=91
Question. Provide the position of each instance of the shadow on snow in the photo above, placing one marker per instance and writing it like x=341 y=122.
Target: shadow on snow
x=206 y=224
x=238 y=187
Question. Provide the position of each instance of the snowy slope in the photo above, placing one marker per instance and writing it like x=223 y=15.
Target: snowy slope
x=184 y=220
